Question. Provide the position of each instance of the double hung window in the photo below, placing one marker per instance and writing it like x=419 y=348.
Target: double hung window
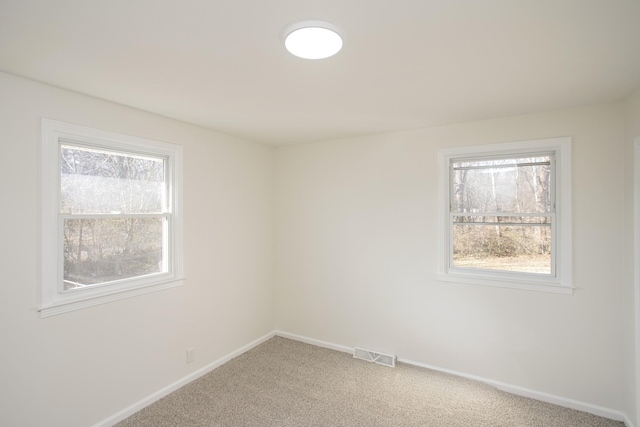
x=506 y=215
x=111 y=221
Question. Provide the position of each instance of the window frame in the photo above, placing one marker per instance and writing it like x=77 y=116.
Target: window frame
x=560 y=280
x=53 y=300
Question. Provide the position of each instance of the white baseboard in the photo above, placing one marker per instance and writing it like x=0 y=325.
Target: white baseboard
x=537 y=395
x=127 y=412
x=325 y=344
x=520 y=391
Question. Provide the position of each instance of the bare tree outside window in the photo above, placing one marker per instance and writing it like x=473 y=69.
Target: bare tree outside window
x=502 y=213
x=113 y=208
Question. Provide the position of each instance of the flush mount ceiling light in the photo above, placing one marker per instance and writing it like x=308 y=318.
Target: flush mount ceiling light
x=312 y=40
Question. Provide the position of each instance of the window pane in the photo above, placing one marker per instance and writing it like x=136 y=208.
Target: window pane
x=93 y=181
x=103 y=250
x=502 y=185
x=518 y=248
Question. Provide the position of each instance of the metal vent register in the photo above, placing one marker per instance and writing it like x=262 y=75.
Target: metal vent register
x=372 y=356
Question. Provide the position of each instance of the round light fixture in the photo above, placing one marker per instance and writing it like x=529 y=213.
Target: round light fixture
x=312 y=40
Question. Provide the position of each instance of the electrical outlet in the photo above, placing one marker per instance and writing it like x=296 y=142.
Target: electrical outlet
x=191 y=355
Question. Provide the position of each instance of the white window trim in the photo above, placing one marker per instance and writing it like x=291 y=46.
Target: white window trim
x=52 y=301
x=562 y=281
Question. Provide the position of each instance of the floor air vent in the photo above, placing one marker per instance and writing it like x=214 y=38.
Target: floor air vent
x=372 y=356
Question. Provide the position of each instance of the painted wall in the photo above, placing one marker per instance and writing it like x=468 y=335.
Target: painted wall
x=633 y=110
x=631 y=308
x=357 y=258
x=355 y=263
x=79 y=368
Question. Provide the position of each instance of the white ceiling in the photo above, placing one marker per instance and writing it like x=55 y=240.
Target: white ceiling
x=405 y=63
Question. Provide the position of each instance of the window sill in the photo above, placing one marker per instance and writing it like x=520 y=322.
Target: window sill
x=67 y=305
x=512 y=283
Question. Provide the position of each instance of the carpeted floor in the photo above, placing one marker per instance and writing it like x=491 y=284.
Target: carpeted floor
x=287 y=383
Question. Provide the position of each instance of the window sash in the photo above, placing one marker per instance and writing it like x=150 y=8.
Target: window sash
x=551 y=215
x=54 y=134
x=524 y=155
x=560 y=211
x=504 y=214
x=514 y=165
x=164 y=214
x=506 y=273
x=166 y=250
x=114 y=216
x=166 y=202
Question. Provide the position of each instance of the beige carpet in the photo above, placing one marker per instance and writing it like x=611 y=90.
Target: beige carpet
x=287 y=383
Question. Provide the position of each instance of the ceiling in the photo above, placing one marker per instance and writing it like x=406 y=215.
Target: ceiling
x=405 y=63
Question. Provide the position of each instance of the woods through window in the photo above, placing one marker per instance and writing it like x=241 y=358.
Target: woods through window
x=111 y=217
x=114 y=212
x=502 y=219
x=502 y=213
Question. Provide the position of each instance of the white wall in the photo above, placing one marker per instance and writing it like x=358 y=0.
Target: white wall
x=79 y=368
x=630 y=312
x=356 y=258
x=356 y=228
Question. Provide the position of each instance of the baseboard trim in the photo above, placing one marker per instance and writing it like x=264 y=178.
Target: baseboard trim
x=517 y=390
x=315 y=342
x=533 y=394
x=563 y=401
x=127 y=412
x=521 y=391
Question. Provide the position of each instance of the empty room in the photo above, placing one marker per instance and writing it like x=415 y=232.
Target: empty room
x=214 y=217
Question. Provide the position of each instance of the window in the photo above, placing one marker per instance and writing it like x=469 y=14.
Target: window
x=506 y=215
x=111 y=216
